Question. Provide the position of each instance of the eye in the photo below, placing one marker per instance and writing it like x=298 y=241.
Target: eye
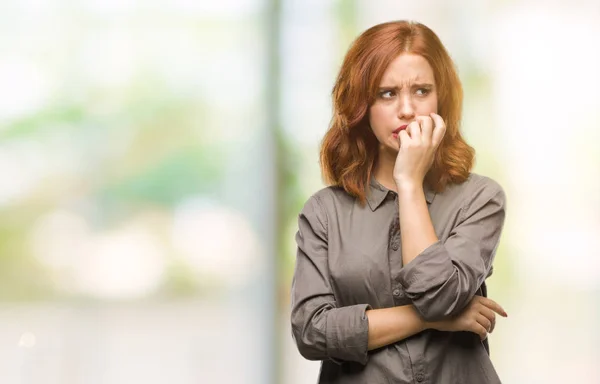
x=387 y=94
x=423 y=91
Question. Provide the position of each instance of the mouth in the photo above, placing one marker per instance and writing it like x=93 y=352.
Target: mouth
x=400 y=128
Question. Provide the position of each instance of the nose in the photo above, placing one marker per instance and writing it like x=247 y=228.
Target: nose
x=406 y=111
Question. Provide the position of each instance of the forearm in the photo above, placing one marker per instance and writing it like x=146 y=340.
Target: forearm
x=440 y=278
x=417 y=232
x=390 y=325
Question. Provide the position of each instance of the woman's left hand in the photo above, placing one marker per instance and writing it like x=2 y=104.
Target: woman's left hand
x=418 y=143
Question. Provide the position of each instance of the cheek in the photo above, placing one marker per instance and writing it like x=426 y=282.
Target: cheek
x=427 y=107
x=434 y=105
x=379 y=117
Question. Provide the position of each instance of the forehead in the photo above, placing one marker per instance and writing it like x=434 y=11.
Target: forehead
x=408 y=69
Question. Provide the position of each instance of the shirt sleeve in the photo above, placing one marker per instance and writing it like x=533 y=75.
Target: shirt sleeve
x=320 y=328
x=443 y=279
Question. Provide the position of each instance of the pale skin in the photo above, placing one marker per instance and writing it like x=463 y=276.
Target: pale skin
x=407 y=96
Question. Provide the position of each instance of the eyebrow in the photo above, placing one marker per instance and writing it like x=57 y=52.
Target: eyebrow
x=422 y=85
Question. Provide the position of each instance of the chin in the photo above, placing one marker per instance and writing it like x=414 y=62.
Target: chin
x=392 y=148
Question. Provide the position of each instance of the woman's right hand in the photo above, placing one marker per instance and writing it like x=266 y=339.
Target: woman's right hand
x=478 y=317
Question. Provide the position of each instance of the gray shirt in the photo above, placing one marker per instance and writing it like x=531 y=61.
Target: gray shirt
x=349 y=259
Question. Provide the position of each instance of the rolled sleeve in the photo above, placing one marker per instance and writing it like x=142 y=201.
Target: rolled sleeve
x=348 y=333
x=320 y=329
x=444 y=278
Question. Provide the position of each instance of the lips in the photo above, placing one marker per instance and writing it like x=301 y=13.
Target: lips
x=402 y=127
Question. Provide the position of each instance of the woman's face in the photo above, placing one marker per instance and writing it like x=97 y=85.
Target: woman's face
x=407 y=90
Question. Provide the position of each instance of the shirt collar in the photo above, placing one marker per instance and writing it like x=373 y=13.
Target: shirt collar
x=377 y=193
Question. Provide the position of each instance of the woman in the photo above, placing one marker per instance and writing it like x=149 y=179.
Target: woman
x=389 y=283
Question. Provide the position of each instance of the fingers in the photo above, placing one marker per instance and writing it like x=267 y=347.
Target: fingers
x=488 y=313
x=403 y=138
x=439 y=131
x=491 y=304
x=486 y=308
x=414 y=130
x=426 y=129
x=480 y=330
x=484 y=321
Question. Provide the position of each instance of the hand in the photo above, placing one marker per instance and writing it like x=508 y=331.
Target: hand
x=418 y=143
x=478 y=317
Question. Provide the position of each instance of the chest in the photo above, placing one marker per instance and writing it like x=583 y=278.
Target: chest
x=365 y=253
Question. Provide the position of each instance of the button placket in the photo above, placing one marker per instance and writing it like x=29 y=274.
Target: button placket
x=398 y=293
x=395 y=258
x=395 y=234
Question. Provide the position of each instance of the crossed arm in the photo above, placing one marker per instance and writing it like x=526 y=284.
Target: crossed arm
x=440 y=279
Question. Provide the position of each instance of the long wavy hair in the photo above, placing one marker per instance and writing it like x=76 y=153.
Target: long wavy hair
x=349 y=149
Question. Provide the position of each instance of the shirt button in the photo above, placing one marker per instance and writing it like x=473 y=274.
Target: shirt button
x=396 y=292
x=395 y=246
x=420 y=377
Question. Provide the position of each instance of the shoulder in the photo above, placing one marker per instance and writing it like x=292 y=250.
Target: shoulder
x=328 y=197
x=479 y=184
x=314 y=213
x=325 y=201
x=479 y=190
x=332 y=195
x=474 y=187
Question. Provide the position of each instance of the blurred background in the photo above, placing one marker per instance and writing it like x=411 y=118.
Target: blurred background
x=155 y=155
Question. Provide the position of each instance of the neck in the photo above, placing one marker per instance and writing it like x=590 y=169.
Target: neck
x=384 y=169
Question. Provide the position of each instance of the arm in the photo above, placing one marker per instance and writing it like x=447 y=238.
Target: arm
x=417 y=232
x=442 y=278
x=320 y=328
x=390 y=325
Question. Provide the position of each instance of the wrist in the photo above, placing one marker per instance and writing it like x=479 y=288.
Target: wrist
x=431 y=324
x=441 y=325
x=408 y=185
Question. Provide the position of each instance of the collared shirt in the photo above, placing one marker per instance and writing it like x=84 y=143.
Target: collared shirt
x=349 y=259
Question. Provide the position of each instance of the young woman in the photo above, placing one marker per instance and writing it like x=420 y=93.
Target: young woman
x=389 y=283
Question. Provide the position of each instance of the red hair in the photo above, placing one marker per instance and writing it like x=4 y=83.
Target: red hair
x=349 y=149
